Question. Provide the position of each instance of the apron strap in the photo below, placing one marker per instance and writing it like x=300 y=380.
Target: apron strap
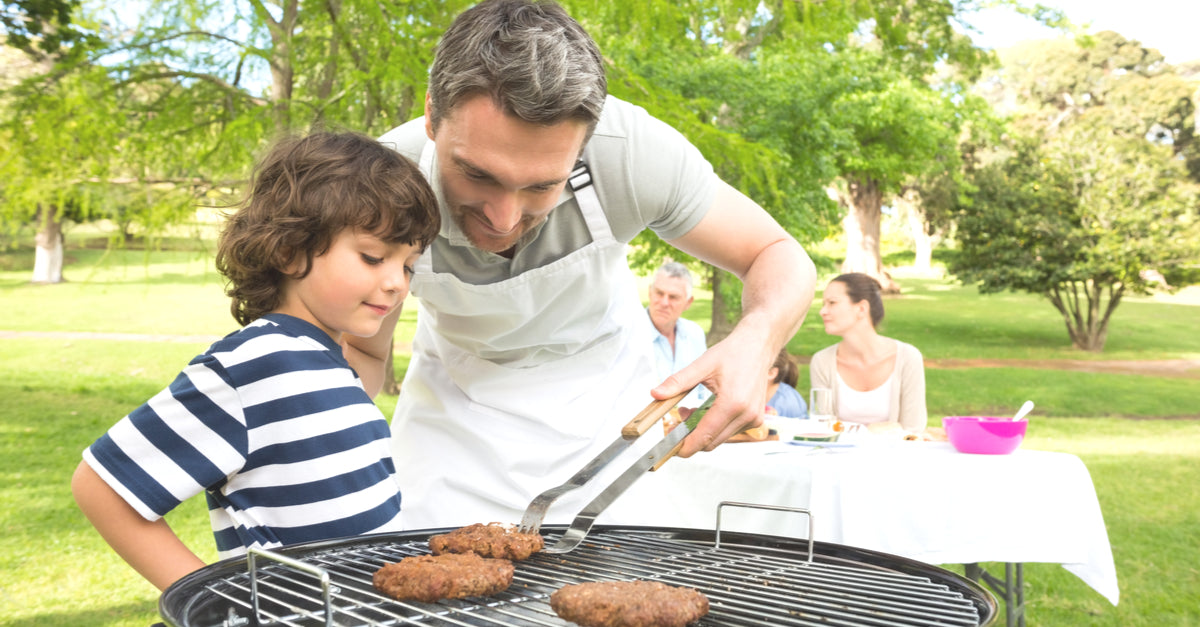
x=425 y=262
x=581 y=185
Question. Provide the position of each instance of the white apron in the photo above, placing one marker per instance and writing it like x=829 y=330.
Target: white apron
x=513 y=386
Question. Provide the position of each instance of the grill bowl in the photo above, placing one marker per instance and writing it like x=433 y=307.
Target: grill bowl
x=750 y=579
x=987 y=435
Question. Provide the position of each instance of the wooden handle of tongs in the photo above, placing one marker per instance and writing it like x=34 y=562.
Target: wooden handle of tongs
x=645 y=419
x=667 y=456
x=675 y=450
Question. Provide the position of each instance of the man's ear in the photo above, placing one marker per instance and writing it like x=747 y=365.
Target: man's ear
x=428 y=116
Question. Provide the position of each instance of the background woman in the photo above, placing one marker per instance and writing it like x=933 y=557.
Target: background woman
x=875 y=379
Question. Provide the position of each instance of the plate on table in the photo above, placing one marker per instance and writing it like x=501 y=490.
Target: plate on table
x=821 y=444
x=824 y=436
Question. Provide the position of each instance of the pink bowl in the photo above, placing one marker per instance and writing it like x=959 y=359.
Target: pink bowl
x=984 y=434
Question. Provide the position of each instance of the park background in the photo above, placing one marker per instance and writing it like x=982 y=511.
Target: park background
x=979 y=186
x=76 y=357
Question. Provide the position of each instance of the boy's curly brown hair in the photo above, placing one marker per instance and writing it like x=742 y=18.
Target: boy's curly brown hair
x=304 y=193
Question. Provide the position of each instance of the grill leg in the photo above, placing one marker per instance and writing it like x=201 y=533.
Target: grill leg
x=1011 y=589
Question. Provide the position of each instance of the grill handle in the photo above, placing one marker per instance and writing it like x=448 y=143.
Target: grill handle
x=252 y=555
x=774 y=508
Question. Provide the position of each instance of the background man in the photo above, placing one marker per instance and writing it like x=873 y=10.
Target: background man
x=677 y=340
x=531 y=349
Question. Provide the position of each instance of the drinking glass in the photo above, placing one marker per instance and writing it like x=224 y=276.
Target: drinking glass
x=820 y=406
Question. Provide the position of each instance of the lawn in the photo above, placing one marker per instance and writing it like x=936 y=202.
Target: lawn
x=1138 y=435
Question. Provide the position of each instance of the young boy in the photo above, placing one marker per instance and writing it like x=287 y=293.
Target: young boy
x=271 y=423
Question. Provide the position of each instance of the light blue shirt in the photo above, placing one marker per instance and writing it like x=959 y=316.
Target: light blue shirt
x=689 y=344
x=788 y=403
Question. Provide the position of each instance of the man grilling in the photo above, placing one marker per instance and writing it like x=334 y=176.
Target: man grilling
x=529 y=353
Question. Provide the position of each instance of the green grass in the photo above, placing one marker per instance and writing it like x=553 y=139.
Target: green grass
x=57 y=394
x=948 y=320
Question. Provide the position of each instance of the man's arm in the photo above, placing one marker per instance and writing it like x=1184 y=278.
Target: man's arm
x=151 y=548
x=779 y=282
x=368 y=355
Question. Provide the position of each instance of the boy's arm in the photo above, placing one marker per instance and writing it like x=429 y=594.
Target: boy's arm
x=151 y=548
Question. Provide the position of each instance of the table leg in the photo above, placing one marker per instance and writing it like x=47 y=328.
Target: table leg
x=1011 y=589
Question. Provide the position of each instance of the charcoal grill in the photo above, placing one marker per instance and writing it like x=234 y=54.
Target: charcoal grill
x=750 y=579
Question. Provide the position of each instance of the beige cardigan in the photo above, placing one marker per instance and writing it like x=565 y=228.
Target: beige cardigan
x=907 y=405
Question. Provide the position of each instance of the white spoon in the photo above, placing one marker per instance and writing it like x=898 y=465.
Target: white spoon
x=1025 y=409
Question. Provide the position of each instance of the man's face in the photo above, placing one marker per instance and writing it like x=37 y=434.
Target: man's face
x=501 y=176
x=668 y=300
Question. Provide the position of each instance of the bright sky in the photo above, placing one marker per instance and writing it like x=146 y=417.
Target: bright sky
x=1172 y=26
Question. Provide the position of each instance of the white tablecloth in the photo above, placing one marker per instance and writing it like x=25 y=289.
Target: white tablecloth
x=921 y=500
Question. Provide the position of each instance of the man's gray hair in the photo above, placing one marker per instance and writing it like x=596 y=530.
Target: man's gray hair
x=533 y=59
x=676 y=270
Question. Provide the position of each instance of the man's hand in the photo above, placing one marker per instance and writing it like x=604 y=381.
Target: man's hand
x=779 y=283
x=737 y=374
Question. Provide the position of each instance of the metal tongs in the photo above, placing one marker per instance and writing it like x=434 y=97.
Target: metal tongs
x=653 y=459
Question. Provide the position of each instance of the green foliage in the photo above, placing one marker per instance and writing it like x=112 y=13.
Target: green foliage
x=1097 y=194
x=169 y=112
x=1014 y=236
x=1080 y=228
x=58 y=142
x=42 y=27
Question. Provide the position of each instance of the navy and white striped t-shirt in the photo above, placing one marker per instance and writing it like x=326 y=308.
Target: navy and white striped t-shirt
x=274 y=426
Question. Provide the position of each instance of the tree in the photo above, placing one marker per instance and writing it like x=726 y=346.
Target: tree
x=37 y=34
x=41 y=27
x=1099 y=197
x=205 y=85
x=928 y=202
x=187 y=96
x=756 y=86
x=899 y=131
x=1079 y=226
x=58 y=141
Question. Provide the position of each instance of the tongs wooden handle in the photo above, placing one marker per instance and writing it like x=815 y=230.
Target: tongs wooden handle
x=645 y=419
x=693 y=419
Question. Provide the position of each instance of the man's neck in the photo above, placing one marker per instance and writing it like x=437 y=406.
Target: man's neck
x=669 y=333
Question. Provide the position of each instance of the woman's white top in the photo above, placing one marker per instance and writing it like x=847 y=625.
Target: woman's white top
x=864 y=407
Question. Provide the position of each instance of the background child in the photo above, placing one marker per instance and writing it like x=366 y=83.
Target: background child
x=782 y=397
x=271 y=423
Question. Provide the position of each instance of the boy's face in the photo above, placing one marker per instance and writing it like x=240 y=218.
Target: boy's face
x=353 y=286
x=501 y=176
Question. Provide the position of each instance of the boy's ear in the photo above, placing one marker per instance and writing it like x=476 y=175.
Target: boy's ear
x=290 y=263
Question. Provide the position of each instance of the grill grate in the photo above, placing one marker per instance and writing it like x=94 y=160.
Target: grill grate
x=751 y=580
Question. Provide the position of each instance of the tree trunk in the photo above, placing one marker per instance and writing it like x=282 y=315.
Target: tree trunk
x=1080 y=304
x=909 y=204
x=865 y=209
x=329 y=70
x=282 y=68
x=48 y=257
x=721 y=324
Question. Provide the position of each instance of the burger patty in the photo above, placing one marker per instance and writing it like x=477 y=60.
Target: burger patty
x=628 y=604
x=490 y=540
x=432 y=577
